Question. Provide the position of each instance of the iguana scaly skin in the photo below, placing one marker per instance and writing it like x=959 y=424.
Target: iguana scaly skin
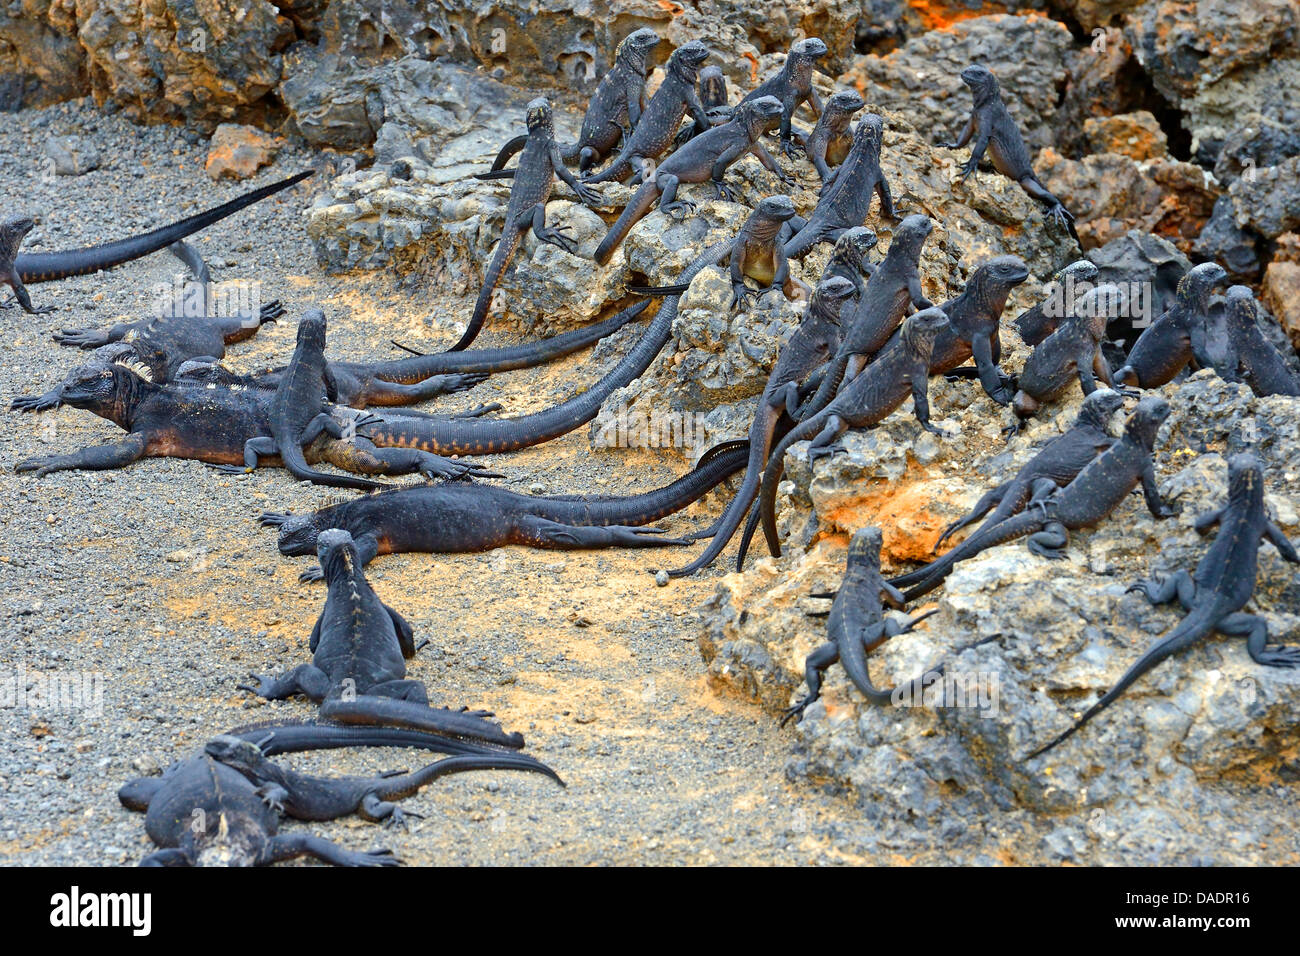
x=539 y=164
x=993 y=130
x=615 y=107
x=831 y=139
x=807 y=348
x=663 y=114
x=857 y=626
x=846 y=199
x=1249 y=356
x=793 y=86
x=1072 y=352
x=704 y=159
x=849 y=258
x=1166 y=346
x=1214 y=596
x=1039 y=321
x=1092 y=496
x=19 y=269
x=456 y=517
x=865 y=401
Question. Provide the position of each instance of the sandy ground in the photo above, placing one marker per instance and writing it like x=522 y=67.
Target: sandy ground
x=157 y=580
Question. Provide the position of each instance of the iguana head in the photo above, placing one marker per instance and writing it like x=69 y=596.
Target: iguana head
x=1096 y=307
x=235 y=752
x=226 y=839
x=1146 y=421
x=105 y=388
x=864 y=547
x=758 y=115
x=336 y=551
x=910 y=235
x=311 y=329
x=843 y=105
x=853 y=244
x=869 y=133
x=983 y=84
x=1194 y=288
x=994 y=280
x=297 y=533
x=13 y=229
x=827 y=302
x=686 y=59
x=778 y=208
x=809 y=49
x=919 y=330
x=538 y=116
x=1245 y=478
x=1099 y=408
x=714 y=81
x=632 y=51
x=1241 y=306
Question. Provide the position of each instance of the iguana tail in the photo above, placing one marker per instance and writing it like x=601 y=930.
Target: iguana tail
x=296 y=464
x=500 y=259
x=1027 y=522
x=468 y=726
x=806 y=429
x=395 y=788
x=640 y=205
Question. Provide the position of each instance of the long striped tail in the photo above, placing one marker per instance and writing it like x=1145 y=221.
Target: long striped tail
x=500 y=259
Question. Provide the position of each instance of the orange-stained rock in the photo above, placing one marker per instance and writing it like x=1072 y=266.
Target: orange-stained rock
x=1288 y=248
x=239 y=151
x=1282 y=295
x=1136 y=135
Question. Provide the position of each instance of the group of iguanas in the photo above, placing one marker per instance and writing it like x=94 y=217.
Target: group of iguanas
x=869 y=339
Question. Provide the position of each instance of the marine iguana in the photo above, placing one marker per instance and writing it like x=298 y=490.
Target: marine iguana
x=857 y=625
x=1213 y=598
x=207 y=423
x=1060 y=460
x=298 y=415
x=1166 y=346
x=663 y=114
x=615 y=107
x=866 y=400
x=455 y=517
x=1099 y=488
x=829 y=142
x=204 y=813
x=973 y=325
x=993 y=129
x=19 y=269
x=1039 y=321
x=893 y=289
x=847 y=200
x=704 y=159
x=849 y=257
x=808 y=347
x=1249 y=356
x=712 y=88
x=539 y=164
x=793 y=86
x=1072 y=352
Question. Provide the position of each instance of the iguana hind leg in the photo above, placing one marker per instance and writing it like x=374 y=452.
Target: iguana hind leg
x=287 y=846
x=544 y=533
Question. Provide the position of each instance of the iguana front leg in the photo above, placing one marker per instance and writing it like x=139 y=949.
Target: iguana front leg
x=287 y=846
x=15 y=282
x=967 y=132
x=1158 y=507
x=554 y=235
x=367 y=549
x=306 y=679
x=990 y=376
x=94 y=458
x=254 y=450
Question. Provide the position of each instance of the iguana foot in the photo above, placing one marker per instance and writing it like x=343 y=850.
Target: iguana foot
x=265 y=683
x=273 y=519
x=399 y=818
x=1279 y=656
x=42 y=466
x=232 y=469
x=80 y=338
x=270 y=795
x=463 y=382
x=314 y=573
x=684 y=206
x=33 y=403
x=368 y=858
x=478 y=411
x=556 y=237
x=791 y=713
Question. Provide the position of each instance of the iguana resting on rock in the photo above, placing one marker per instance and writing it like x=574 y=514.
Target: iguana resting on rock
x=455 y=517
x=857 y=626
x=1039 y=321
x=846 y=200
x=1178 y=336
x=613 y=110
x=712 y=84
x=210 y=424
x=807 y=349
x=994 y=131
x=663 y=114
x=1071 y=353
x=704 y=159
x=867 y=400
x=849 y=257
x=18 y=269
x=204 y=813
x=1247 y=355
x=1214 y=596
x=831 y=139
x=792 y=86
x=539 y=164
x=1060 y=460
x=1051 y=513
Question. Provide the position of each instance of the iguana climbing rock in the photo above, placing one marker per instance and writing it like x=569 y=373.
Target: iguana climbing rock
x=704 y=159
x=792 y=86
x=866 y=400
x=456 y=517
x=1166 y=346
x=857 y=626
x=849 y=257
x=1213 y=598
x=1039 y=321
x=19 y=269
x=829 y=142
x=1071 y=353
x=615 y=107
x=539 y=164
x=993 y=130
x=807 y=348
x=846 y=200
x=663 y=114
x=1093 y=495
x=1247 y=355
x=204 y=813
x=1060 y=460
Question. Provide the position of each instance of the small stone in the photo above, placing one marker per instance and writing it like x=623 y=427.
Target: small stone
x=71 y=155
x=661 y=578
x=237 y=152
